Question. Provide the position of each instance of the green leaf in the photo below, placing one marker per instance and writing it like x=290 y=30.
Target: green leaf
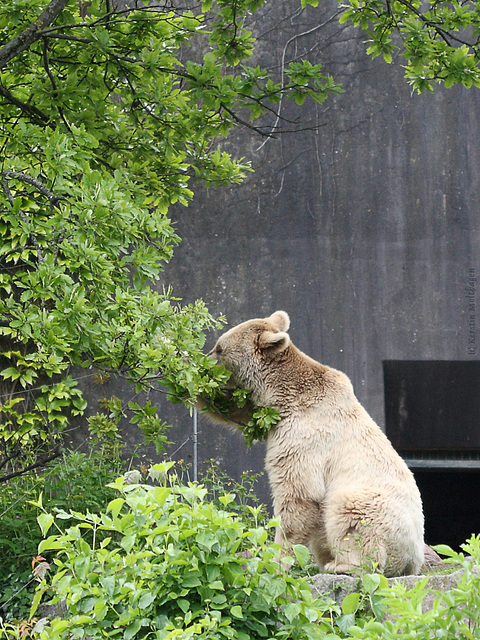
x=302 y=554
x=345 y=17
x=345 y=622
x=350 y=603
x=190 y=581
x=292 y=610
x=445 y=550
x=108 y=583
x=183 y=604
x=146 y=600
x=206 y=539
x=82 y=566
x=132 y=629
x=50 y=544
x=114 y=507
x=128 y=541
x=45 y=521
x=10 y=372
x=371 y=582
x=216 y=584
x=36 y=601
x=299 y=97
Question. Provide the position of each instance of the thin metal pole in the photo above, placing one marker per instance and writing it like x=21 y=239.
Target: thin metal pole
x=195 y=445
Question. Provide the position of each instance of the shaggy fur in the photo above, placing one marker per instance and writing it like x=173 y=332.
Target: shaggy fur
x=337 y=483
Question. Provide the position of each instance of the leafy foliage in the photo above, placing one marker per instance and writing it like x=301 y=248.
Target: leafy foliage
x=104 y=123
x=78 y=482
x=453 y=614
x=218 y=483
x=196 y=560
x=254 y=422
x=262 y=419
x=188 y=569
x=440 y=40
x=73 y=481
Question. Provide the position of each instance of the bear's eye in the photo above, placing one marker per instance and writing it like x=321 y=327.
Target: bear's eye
x=218 y=349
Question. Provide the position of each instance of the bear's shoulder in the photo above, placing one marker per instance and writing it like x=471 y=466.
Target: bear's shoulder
x=301 y=382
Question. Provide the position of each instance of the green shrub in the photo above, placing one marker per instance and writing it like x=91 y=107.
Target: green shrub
x=164 y=563
x=173 y=560
x=454 y=613
x=76 y=481
x=217 y=483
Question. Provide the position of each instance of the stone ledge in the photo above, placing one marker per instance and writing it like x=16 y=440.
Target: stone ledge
x=338 y=586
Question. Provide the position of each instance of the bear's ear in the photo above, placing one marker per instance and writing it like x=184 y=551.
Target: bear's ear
x=274 y=341
x=280 y=320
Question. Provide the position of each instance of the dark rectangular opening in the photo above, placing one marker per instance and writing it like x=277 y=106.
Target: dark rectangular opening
x=450 y=505
x=432 y=418
x=432 y=405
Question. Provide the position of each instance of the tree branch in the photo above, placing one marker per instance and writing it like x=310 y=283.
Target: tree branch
x=31 y=467
x=46 y=66
x=41 y=188
x=21 y=213
x=446 y=36
x=38 y=117
x=32 y=33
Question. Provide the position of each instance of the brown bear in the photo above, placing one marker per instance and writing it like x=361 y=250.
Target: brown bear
x=338 y=485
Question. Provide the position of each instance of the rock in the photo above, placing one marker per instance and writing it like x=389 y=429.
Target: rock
x=57 y=610
x=339 y=586
x=432 y=559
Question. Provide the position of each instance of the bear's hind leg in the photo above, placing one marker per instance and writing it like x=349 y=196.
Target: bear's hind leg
x=347 y=555
x=353 y=530
x=299 y=520
x=320 y=548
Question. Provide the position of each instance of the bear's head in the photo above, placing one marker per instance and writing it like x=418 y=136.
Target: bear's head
x=248 y=349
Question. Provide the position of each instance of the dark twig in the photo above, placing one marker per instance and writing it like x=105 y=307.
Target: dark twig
x=247 y=124
x=46 y=66
x=39 y=186
x=31 y=467
x=38 y=117
x=17 y=175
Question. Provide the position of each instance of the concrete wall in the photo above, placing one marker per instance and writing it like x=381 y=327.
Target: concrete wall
x=364 y=230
